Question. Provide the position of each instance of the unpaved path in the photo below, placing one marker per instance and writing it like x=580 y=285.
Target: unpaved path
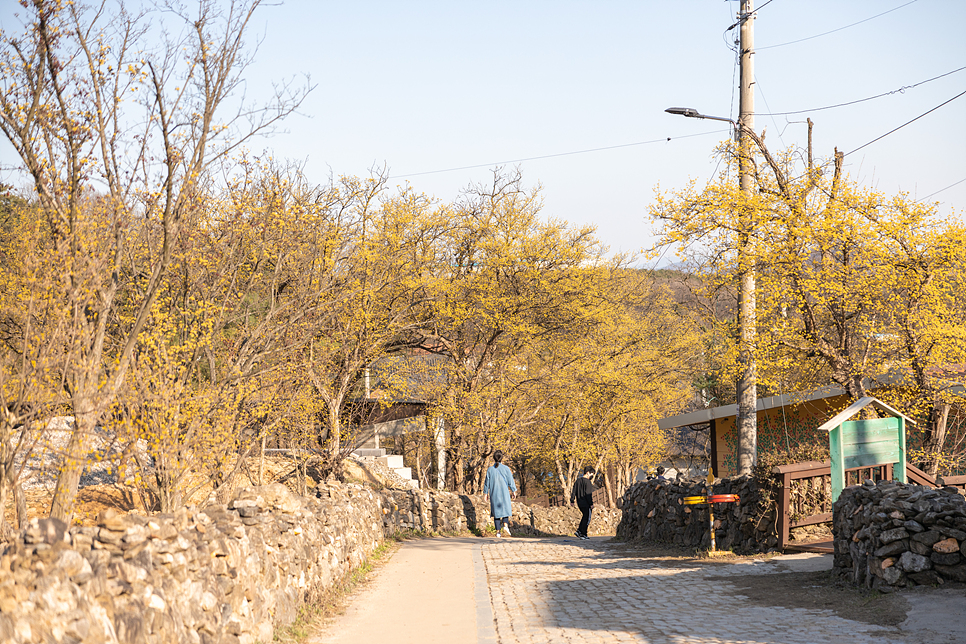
x=432 y=591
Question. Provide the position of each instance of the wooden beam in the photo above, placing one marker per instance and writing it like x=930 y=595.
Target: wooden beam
x=858 y=406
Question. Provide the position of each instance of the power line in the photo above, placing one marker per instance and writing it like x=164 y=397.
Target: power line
x=551 y=156
x=762 y=92
x=952 y=185
x=861 y=100
x=906 y=123
x=828 y=163
x=742 y=18
x=792 y=42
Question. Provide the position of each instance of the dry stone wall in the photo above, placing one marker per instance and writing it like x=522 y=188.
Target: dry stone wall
x=890 y=535
x=436 y=511
x=655 y=511
x=563 y=520
x=221 y=574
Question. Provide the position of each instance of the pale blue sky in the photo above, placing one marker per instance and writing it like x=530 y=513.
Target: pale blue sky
x=423 y=86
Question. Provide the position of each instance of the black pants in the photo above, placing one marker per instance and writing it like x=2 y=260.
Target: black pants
x=584 y=519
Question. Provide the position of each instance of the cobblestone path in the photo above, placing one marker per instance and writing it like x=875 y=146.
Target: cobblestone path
x=570 y=591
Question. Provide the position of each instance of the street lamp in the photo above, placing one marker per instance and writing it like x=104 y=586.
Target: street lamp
x=746 y=419
x=692 y=113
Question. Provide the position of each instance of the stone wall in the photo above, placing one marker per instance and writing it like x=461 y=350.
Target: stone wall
x=655 y=511
x=890 y=535
x=435 y=511
x=227 y=574
x=218 y=574
x=563 y=520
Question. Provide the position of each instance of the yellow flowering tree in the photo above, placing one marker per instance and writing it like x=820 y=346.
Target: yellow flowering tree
x=117 y=141
x=854 y=287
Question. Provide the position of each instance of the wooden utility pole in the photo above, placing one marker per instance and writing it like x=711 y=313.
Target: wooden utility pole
x=747 y=378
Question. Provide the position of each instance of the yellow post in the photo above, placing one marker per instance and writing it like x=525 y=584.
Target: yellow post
x=711 y=508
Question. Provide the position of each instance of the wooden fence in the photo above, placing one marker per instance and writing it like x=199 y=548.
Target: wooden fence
x=810 y=501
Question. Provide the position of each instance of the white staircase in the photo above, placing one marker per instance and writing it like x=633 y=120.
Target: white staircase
x=392 y=461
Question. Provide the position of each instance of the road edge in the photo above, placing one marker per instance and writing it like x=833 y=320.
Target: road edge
x=485 y=625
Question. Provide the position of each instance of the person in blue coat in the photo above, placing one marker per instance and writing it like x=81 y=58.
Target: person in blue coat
x=499 y=488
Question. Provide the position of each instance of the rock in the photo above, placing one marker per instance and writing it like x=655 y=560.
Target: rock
x=920 y=548
x=953 y=573
x=959 y=535
x=280 y=497
x=945 y=559
x=928 y=537
x=866 y=519
x=946 y=546
x=911 y=562
x=111 y=520
x=894 y=548
x=46 y=531
x=655 y=511
x=926 y=578
x=893 y=535
x=208 y=575
x=892 y=576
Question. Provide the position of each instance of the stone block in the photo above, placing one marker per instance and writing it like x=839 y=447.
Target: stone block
x=911 y=562
x=946 y=546
x=894 y=548
x=926 y=578
x=953 y=573
x=920 y=548
x=892 y=576
x=929 y=537
x=945 y=559
x=888 y=536
x=959 y=535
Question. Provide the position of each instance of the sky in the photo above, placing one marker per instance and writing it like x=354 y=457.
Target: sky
x=574 y=93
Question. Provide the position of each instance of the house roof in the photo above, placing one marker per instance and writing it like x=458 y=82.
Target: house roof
x=951 y=377
x=724 y=411
x=858 y=406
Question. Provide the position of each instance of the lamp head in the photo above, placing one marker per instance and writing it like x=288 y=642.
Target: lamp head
x=684 y=111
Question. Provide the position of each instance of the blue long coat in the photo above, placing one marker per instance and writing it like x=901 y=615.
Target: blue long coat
x=498 y=483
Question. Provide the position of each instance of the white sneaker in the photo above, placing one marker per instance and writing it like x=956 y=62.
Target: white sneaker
x=506 y=529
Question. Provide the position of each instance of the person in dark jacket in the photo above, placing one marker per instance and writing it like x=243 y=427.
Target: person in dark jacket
x=583 y=495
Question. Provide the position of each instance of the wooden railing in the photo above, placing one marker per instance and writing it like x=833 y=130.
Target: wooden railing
x=955 y=481
x=820 y=475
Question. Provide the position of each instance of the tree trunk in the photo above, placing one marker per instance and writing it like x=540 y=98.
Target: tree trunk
x=75 y=460
x=455 y=462
x=20 y=503
x=935 y=439
x=609 y=485
x=335 y=430
x=6 y=530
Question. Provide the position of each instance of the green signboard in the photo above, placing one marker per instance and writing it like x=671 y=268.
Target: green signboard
x=866 y=443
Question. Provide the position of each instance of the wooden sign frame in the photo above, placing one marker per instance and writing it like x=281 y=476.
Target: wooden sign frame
x=866 y=443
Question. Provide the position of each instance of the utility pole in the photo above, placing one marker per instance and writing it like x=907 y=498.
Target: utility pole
x=747 y=417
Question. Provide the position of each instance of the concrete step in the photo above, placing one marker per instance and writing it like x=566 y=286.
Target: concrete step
x=404 y=472
x=392 y=461
x=363 y=452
